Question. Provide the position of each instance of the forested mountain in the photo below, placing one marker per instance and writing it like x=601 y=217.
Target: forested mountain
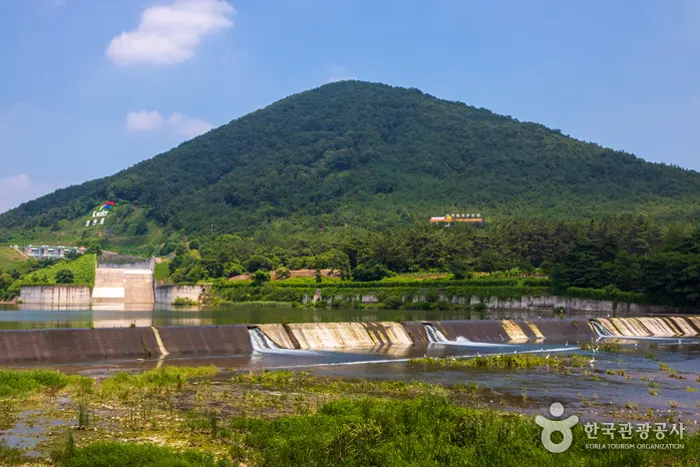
x=368 y=155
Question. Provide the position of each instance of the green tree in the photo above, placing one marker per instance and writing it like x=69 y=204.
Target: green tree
x=5 y=281
x=372 y=272
x=65 y=276
x=260 y=277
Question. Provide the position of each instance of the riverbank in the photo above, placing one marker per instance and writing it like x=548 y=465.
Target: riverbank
x=210 y=417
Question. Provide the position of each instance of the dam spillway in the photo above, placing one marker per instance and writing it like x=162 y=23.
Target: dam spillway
x=647 y=327
x=64 y=345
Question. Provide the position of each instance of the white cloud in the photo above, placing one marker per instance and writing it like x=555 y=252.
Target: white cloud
x=169 y=34
x=338 y=73
x=143 y=120
x=188 y=127
x=180 y=124
x=17 y=189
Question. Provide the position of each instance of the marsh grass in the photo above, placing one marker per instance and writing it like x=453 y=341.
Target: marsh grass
x=120 y=454
x=11 y=455
x=124 y=386
x=307 y=382
x=24 y=382
x=426 y=431
x=604 y=346
x=505 y=361
x=83 y=416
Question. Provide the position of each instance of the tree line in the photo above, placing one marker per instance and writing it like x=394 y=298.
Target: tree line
x=629 y=253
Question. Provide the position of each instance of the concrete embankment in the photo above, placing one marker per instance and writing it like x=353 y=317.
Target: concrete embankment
x=387 y=337
x=56 y=295
x=545 y=303
x=167 y=294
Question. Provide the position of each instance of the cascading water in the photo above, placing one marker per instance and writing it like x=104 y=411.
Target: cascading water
x=260 y=341
x=435 y=336
x=262 y=344
x=600 y=329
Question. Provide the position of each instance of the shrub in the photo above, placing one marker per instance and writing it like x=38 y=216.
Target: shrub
x=65 y=276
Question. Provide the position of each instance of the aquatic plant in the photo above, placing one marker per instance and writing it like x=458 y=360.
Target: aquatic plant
x=121 y=385
x=523 y=360
x=83 y=416
x=612 y=347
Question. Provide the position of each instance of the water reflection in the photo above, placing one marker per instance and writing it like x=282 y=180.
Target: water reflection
x=35 y=317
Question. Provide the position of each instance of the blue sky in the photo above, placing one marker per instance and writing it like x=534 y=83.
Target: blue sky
x=90 y=87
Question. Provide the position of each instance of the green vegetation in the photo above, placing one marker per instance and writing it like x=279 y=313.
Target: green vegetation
x=161 y=271
x=82 y=270
x=181 y=301
x=428 y=431
x=23 y=382
x=624 y=259
x=11 y=259
x=122 y=385
x=332 y=157
x=322 y=191
x=118 y=454
x=526 y=360
x=306 y=381
x=602 y=346
x=179 y=416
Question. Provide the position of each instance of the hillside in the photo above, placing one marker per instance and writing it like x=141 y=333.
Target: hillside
x=367 y=155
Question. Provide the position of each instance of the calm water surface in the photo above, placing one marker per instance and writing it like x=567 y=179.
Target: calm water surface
x=32 y=317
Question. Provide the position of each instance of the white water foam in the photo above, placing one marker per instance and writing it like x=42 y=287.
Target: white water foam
x=435 y=336
x=264 y=345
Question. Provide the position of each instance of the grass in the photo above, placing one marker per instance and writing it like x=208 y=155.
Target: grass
x=83 y=270
x=182 y=301
x=117 y=454
x=505 y=361
x=427 y=431
x=11 y=455
x=605 y=346
x=122 y=385
x=12 y=259
x=268 y=418
x=161 y=271
x=25 y=382
x=306 y=381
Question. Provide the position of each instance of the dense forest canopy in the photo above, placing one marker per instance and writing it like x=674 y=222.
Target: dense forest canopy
x=629 y=253
x=370 y=156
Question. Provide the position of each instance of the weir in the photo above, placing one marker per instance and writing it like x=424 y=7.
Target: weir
x=437 y=337
x=663 y=328
x=58 y=345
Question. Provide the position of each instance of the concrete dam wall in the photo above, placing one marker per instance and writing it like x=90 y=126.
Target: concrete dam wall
x=55 y=295
x=387 y=337
x=123 y=286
